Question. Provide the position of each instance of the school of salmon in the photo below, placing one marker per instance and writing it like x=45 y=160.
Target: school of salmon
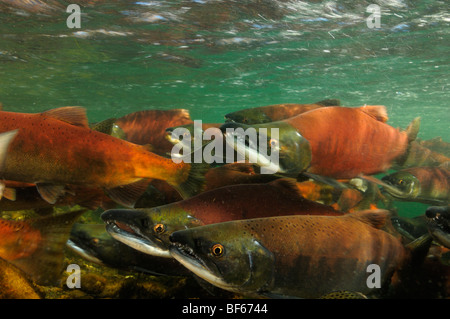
x=324 y=224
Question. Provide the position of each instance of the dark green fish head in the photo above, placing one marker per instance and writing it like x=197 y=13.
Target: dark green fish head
x=438 y=219
x=248 y=116
x=401 y=184
x=276 y=146
x=147 y=230
x=91 y=241
x=224 y=256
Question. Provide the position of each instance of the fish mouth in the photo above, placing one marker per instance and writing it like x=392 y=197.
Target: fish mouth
x=131 y=235
x=186 y=256
x=248 y=148
x=84 y=252
x=390 y=189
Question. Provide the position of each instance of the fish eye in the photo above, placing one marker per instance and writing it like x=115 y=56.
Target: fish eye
x=159 y=228
x=217 y=250
x=273 y=142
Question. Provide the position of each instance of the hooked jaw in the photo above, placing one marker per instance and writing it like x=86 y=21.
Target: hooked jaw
x=181 y=251
x=130 y=227
x=390 y=182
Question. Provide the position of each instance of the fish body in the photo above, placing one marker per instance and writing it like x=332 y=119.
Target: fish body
x=57 y=148
x=276 y=112
x=418 y=156
x=148 y=230
x=438 y=145
x=149 y=127
x=422 y=184
x=293 y=256
x=337 y=142
x=233 y=174
x=36 y=245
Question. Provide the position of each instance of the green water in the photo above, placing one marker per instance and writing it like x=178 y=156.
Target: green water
x=213 y=57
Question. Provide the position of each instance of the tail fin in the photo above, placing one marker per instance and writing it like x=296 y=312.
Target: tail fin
x=195 y=181
x=45 y=265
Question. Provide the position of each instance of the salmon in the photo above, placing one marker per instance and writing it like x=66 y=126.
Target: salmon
x=299 y=256
x=148 y=230
x=429 y=185
x=149 y=127
x=56 y=147
x=336 y=142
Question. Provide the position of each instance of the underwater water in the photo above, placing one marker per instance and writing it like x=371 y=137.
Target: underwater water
x=213 y=57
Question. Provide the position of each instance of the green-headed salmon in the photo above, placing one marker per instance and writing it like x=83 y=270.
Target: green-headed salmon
x=292 y=256
x=148 y=230
x=337 y=142
x=419 y=184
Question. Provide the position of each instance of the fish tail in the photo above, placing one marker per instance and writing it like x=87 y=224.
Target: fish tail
x=194 y=182
x=44 y=266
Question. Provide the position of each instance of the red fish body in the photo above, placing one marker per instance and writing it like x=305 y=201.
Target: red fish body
x=57 y=147
x=149 y=127
x=347 y=142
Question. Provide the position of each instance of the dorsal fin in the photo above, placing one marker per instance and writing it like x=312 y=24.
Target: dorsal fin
x=378 y=112
x=413 y=129
x=374 y=217
x=74 y=115
x=288 y=185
